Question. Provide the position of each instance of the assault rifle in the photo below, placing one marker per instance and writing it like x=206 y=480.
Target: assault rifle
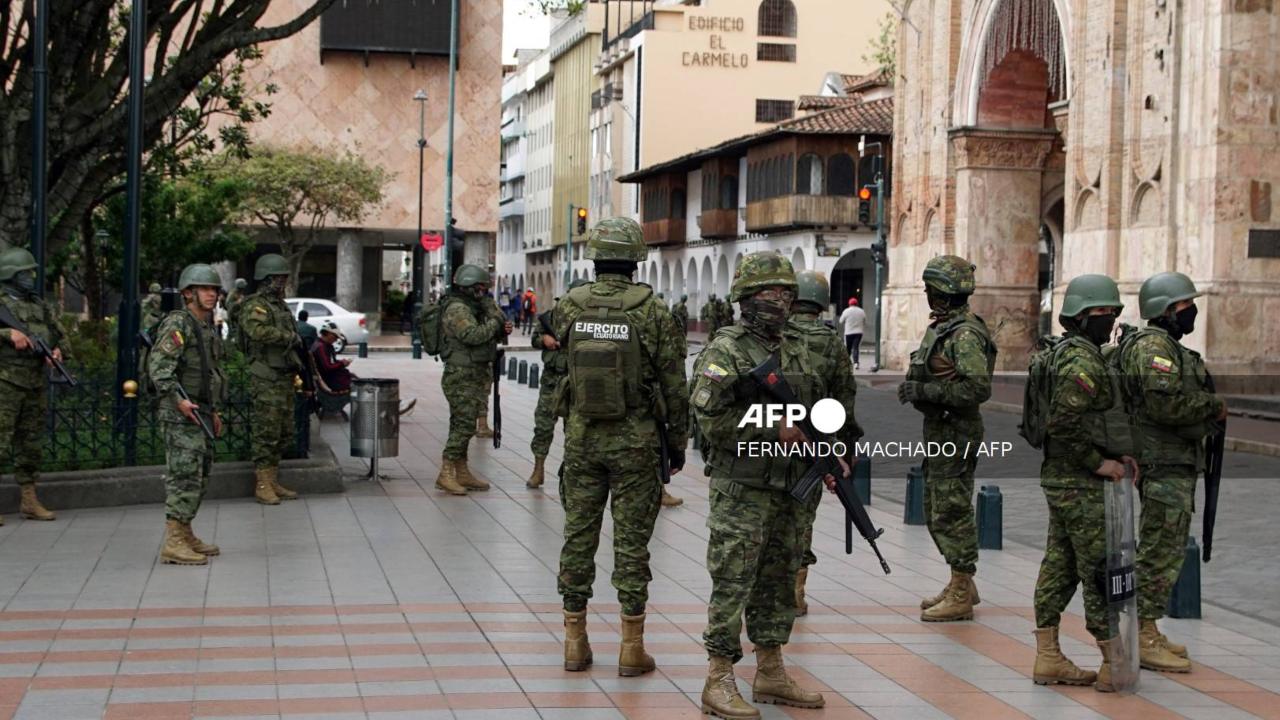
x=768 y=375
x=38 y=344
x=1214 y=446
x=497 y=380
x=145 y=338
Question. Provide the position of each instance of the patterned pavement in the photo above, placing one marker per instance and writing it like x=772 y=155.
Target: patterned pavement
x=396 y=601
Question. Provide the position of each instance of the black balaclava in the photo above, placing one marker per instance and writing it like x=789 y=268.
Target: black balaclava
x=1182 y=322
x=1097 y=327
x=765 y=317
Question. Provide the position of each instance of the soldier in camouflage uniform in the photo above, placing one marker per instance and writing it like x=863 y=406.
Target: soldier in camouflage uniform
x=756 y=527
x=554 y=367
x=1079 y=456
x=23 y=377
x=151 y=307
x=188 y=353
x=725 y=310
x=271 y=335
x=234 y=298
x=472 y=325
x=626 y=377
x=949 y=377
x=831 y=370
x=1165 y=387
x=681 y=313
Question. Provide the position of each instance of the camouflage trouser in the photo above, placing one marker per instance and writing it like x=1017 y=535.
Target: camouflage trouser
x=464 y=388
x=808 y=514
x=484 y=397
x=544 y=416
x=628 y=482
x=189 y=457
x=1075 y=552
x=272 y=419
x=753 y=555
x=22 y=414
x=1168 y=493
x=948 y=492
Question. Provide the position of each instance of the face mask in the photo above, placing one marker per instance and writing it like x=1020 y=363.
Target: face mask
x=1186 y=319
x=276 y=283
x=478 y=291
x=25 y=281
x=1098 y=328
x=765 y=315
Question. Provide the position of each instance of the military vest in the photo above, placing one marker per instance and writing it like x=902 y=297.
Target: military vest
x=605 y=360
x=458 y=353
x=1162 y=444
x=927 y=366
x=553 y=361
x=1109 y=425
x=24 y=368
x=269 y=360
x=200 y=367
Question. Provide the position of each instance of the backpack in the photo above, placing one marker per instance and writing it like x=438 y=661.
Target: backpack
x=1041 y=376
x=431 y=327
x=604 y=353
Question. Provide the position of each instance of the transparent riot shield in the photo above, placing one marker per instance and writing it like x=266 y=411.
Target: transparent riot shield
x=1121 y=583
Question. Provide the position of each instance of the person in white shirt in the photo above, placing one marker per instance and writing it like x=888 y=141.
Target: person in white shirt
x=852 y=320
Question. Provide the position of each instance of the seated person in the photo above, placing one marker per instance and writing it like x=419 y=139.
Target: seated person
x=332 y=371
x=306 y=330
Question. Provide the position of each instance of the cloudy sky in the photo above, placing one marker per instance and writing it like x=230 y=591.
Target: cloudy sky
x=522 y=27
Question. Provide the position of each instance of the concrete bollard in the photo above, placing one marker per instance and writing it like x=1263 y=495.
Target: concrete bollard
x=913 y=507
x=990 y=518
x=533 y=376
x=522 y=376
x=862 y=479
x=1185 y=600
x=417 y=349
x=511 y=368
x=362 y=350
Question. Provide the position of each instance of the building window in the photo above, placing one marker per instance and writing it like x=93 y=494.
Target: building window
x=809 y=175
x=679 y=203
x=728 y=192
x=840 y=179
x=772 y=111
x=708 y=191
x=775 y=52
x=777 y=18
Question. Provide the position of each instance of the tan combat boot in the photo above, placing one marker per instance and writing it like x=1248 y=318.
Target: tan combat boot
x=482 y=428
x=1103 y=683
x=466 y=479
x=577 y=649
x=669 y=500
x=774 y=686
x=263 y=491
x=281 y=491
x=537 y=477
x=1052 y=667
x=1173 y=647
x=1154 y=655
x=929 y=602
x=197 y=544
x=632 y=659
x=802 y=605
x=447 y=480
x=176 y=551
x=31 y=507
x=956 y=603
x=720 y=696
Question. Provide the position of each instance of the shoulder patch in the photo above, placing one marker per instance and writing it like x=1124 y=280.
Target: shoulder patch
x=1086 y=383
x=701 y=397
x=714 y=372
x=1162 y=364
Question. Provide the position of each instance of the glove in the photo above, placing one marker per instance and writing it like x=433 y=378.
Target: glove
x=912 y=391
x=677 y=459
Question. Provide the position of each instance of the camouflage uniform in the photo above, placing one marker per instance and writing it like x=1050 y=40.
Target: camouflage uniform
x=709 y=317
x=724 y=309
x=681 y=314
x=472 y=328
x=151 y=308
x=272 y=336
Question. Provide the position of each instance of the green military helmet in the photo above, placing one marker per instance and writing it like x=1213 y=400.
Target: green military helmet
x=1162 y=290
x=241 y=283
x=812 y=286
x=1085 y=292
x=197 y=274
x=15 y=260
x=469 y=276
x=579 y=283
x=270 y=264
x=950 y=274
x=712 y=298
x=684 y=298
x=760 y=270
x=616 y=238
x=154 y=288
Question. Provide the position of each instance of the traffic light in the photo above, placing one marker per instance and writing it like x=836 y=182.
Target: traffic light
x=582 y=221
x=864 y=205
x=878 y=252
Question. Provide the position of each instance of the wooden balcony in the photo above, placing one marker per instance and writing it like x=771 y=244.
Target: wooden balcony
x=719 y=223
x=664 y=232
x=802 y=211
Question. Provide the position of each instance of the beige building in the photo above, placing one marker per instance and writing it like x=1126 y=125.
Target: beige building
x=1048 y=138
x=347 y=82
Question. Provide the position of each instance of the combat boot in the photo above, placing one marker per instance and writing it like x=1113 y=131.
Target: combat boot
x=536 y=478
x=1103 y=683
x=197 y=544
x=1154 y=655
x=577 y=649
x=466 y=479
x=176 y=551
x=632 y=659
x=482 y=428
x=263 y=491
x=1175 y=648
x=669 y=500
x=929 y=602
x=956 y=603
x=802 y=605
x=281 y=491
x=1052 y=667
x=720 y=696
x=447 y=480
x=774 y=686
x=31 y=507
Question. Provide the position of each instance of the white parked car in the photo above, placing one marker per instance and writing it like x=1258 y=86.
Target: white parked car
x=352 y=324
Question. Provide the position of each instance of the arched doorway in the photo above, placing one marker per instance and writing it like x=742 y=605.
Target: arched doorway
x=854 y=275
x=722 y=277
x=797 y=260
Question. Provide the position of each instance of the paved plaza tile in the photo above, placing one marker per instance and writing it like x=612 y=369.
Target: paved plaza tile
x=396 y=601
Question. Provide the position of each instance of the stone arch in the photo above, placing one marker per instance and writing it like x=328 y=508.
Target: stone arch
x=706 y=284
x=691 y=280
x=722 y=276
x=665 y=285
x=677 y=283
x=797 y=260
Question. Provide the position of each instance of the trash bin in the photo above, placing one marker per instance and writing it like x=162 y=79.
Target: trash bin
x=375 y=419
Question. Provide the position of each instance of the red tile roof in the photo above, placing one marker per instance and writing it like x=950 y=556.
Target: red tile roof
x=854 y=83
x=824 y=102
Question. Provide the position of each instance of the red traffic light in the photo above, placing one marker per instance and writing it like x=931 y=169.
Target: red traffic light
x=864 y=193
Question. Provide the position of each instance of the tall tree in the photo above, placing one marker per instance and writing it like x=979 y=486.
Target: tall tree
x=88 y=79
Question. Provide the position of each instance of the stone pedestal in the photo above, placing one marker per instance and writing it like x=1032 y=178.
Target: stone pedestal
x=350 y=269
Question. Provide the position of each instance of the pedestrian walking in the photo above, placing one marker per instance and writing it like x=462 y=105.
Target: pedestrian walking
x=852 y=321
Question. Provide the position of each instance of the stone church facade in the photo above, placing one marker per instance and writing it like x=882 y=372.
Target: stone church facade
x=1043 y=139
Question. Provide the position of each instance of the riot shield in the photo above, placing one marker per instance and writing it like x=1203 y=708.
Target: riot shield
x=1121 y=582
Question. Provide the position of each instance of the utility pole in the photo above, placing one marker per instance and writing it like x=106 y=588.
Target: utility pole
x=445 y=264
x=568 y=249
x=418 y=253
x=127 y=335
x=879 y=248
x=39 y=131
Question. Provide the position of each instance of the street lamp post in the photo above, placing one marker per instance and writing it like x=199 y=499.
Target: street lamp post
x=126 y=338
x=419 y=97
x=445 y=263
